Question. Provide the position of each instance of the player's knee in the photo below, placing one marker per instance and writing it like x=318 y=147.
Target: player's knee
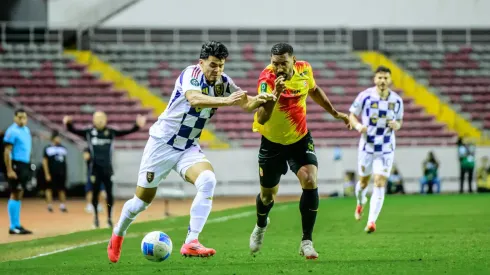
x=206 y=182
x=309 y=182
x=379 y=181
x=364 y=181
x=136 y=205
x=267 y=198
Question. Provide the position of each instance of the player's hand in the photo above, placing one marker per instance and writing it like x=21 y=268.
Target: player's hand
x=264 y=97
x=12 y=175
x=48 y=178
x=361 y=128
x=345 y=118
x=279 y=84
x=67 y=120
x=395 y=125
x=140 y=120
x=237 y=98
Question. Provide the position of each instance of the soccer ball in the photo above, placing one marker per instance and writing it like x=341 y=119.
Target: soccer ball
x=156 y=246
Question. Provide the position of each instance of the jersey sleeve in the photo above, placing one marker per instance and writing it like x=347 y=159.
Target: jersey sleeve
x=356 y=107
x=10 y=136
x=45 y=152
x=265 y=83
x=311 y=77
x=401 y=108
x=232 y=87
x=190 y=80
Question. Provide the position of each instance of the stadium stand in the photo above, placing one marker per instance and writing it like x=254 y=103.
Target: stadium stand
x=42 y=78
x=459 y=74
x=338 y=71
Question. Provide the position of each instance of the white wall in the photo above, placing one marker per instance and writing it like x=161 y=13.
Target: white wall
x=317 y=13
x=237 y=169
x=75 y=13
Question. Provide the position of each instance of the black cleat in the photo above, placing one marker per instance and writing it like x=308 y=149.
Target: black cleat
x=96 y=223
x=109 y=223
x=19 y=231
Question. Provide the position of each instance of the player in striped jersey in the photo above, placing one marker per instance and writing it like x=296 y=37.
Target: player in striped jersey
x=381 y=112
x=174 y=144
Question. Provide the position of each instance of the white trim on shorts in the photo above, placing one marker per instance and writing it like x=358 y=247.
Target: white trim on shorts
x=159 y=159
x=375 y=163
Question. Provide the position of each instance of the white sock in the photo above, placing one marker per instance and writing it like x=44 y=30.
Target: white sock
x=360 y=193
x=130 y=211
x=62 y=206
x=202 y=204
x=377 y=200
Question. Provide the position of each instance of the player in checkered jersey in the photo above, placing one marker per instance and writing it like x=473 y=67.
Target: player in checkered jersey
x=174 y=145
x=381 y=112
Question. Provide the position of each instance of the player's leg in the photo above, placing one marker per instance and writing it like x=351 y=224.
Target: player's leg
x=61 y=187
x=102 y=198
x=381 y=169
x=304 y=164
x=49 y=196
x=156 y=163
x=107 y=183
x=272 y=165
x=196 y=169
x=15 y=202
x=365 y=164
x=98 y=174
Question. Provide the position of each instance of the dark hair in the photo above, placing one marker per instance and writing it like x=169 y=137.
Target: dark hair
x=54 y=134
x=18 y=111
x=282 y=48
x=382 y=69
x=213 y=48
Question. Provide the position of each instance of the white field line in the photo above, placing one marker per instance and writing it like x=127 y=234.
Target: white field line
x=215 y=220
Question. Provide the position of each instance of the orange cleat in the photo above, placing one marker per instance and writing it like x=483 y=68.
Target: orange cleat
x=370 y=227
x=358 y=212
x=114 y=248
x=196 y=249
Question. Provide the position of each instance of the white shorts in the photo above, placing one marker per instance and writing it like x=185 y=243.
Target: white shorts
x=159 y=159
x=378 y=164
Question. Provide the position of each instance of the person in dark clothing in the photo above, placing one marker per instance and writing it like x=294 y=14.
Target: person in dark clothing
x=100 y=140
x=395 y=180
x=466 y=154
x=55 y=171
x=430 y=168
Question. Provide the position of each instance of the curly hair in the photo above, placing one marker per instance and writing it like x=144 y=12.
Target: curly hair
x=213 y=48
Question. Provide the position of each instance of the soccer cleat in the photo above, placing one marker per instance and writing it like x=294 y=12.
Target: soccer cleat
x=358 y=212
x=114 y=248
x=19 y=230
x=306 y=249
x=370 y=227
x=257 y=237
x=196 y=249
x=109 y=224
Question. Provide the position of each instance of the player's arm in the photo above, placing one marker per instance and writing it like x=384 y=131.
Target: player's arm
x=264 y=112
x=397 y=123
x=9 y=141
x=47 y=175
x=320 y=98
x=355 y=110
x=250 y=103
x=67 y=121
x=140 y=123
x=8 y=161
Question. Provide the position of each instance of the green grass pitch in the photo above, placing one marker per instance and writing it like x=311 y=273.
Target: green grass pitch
x=447 y=234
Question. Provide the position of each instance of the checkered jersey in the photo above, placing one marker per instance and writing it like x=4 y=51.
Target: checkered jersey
x=375 y=114
x=181 y=125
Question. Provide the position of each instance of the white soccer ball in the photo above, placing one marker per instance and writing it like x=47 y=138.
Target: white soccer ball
x=156 y=246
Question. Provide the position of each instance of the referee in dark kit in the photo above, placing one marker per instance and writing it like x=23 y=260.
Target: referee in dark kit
x=100 y=139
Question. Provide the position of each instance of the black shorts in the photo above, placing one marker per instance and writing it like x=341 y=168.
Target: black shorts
x=24 y=174
x=58 y=182
x=274 y=159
